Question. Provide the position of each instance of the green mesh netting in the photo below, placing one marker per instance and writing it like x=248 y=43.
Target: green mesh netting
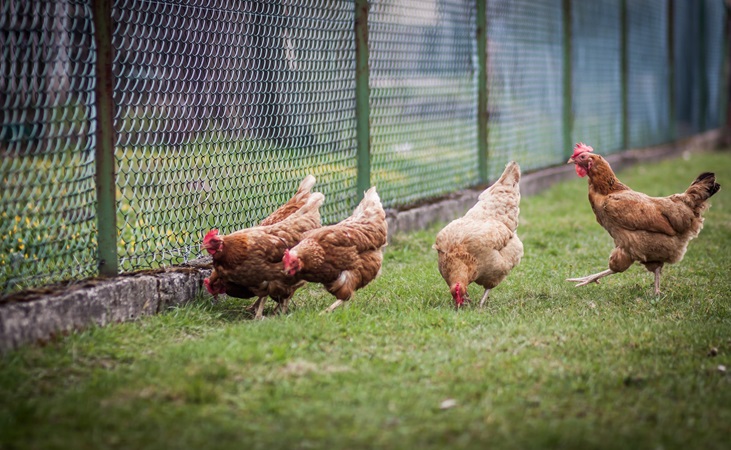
x=648 y=81
x=698 y=43
x=596 y=74
x=222 y=110
x=525 y=83
x=47 y=191
x=423 y=98
x=713 y=25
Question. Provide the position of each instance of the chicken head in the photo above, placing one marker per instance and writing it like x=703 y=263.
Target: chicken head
x=212 y=242
x=581 y=159
x=459 y=294
x=292 y=263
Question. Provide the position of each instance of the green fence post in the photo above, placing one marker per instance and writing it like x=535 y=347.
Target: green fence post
x=362 y=98
x=482 y=92
x=624 y=67
x=673 y=126
x=723 y=98
x=568 y=116
x=105 y=135
x=703 y=65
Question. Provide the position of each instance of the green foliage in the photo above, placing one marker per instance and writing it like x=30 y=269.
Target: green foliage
x=544 y=365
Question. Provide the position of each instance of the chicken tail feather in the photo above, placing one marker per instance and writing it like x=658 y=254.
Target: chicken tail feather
x=314 y=202
x=703 y=188
x=370 y=199
x=306 y=185
x=509 y=179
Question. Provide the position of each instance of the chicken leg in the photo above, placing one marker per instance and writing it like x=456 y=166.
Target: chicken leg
x=254 y=306
x=657 y=271
x=260 y=308
x=583 y=281
x=485 y=297
x=283 y=306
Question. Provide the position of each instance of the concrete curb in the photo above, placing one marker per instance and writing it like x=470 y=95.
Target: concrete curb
x=46 y=313
x=98 y=302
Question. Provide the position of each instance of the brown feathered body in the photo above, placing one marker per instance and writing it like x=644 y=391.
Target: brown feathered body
x=483 y=246
x=346 y=256
x=650 y=230
x=248 y=262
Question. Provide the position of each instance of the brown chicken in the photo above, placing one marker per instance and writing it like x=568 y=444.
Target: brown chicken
x=650 y=230
x=247 y=263
x=483 y=247
x=346 y=256
x=216 y=285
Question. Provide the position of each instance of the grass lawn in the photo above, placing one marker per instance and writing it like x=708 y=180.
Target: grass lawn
x=545 y=365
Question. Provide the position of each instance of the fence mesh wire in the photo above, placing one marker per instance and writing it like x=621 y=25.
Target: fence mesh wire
x=525 y=83
x=648 y=81
x=687 y=68
x=47 y=191
x=698 y=40
x=714 y=49
x=222 y=107
x=423 y=97
x=596 y=73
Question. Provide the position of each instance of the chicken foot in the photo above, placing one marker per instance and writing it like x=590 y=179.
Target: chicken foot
x=583 y=281
x=333 y=306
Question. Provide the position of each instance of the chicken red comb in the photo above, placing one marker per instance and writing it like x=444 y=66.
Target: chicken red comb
x=210 y=235
x=581 y=148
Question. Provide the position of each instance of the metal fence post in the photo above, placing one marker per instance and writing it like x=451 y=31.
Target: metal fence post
x=482 y=92
x=105 y=136
x=568 y=116
x=673 y=131
x=725 y=73
x=703 y=65
x=362 y=98
x=624 y=67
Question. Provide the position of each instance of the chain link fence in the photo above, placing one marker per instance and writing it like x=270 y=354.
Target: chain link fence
x=525 y=84
x=221 y=107
x=47 y=191
x=423 y=81
x=648 y=77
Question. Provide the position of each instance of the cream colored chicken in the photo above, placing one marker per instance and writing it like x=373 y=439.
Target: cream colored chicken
x=483 y=247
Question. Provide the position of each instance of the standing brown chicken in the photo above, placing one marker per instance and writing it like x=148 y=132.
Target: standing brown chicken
x=483 y=246
x=651 y=230
x=247 y=263
x=346 y=256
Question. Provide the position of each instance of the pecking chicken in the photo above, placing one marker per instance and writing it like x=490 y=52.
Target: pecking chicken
x=483 y=247
x=650 y=230
x=216 y=286
x=247 y=263
x=343 y=257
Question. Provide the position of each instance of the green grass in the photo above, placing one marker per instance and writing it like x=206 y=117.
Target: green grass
x=545 y=365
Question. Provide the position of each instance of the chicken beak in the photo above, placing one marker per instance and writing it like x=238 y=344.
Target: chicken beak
x=571 y=161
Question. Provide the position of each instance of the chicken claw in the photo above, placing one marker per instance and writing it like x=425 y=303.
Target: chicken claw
x=333 y=306
x=583 y=281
